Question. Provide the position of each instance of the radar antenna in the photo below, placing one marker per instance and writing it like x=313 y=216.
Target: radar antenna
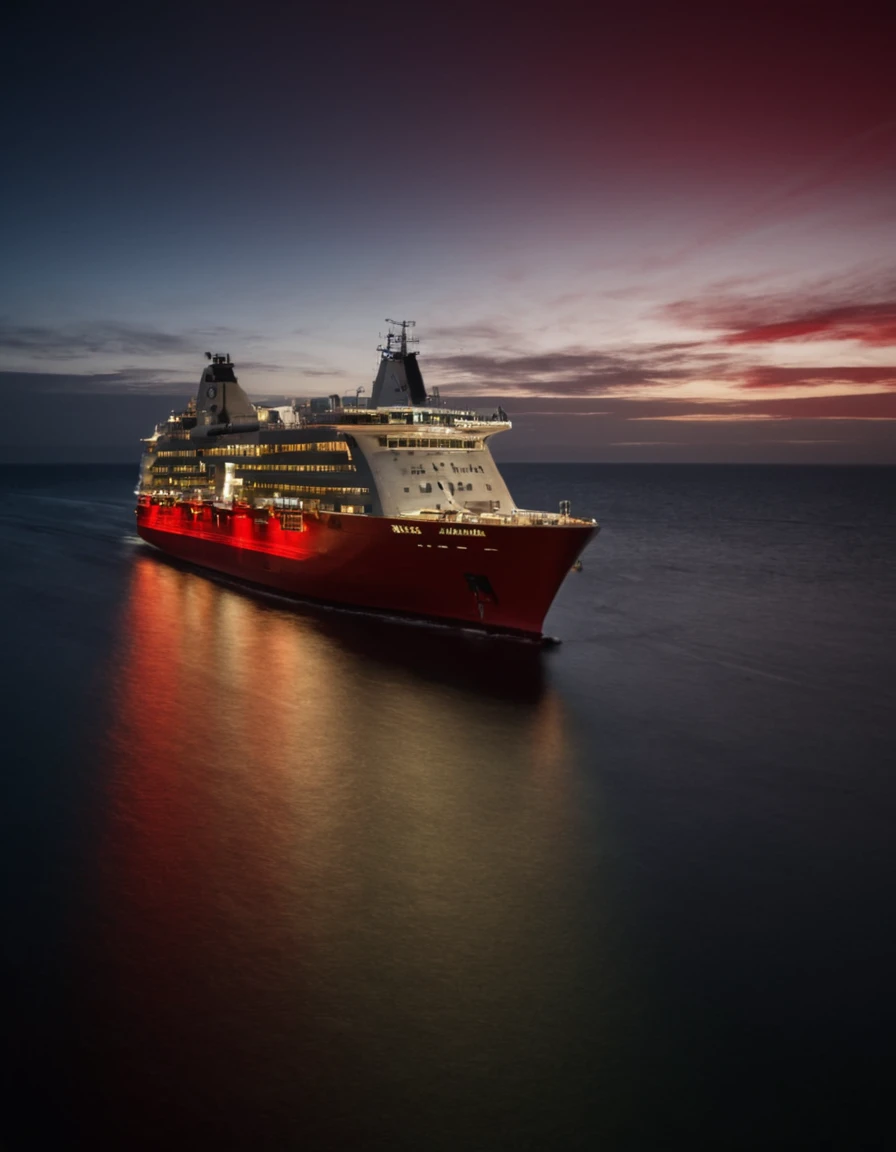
x=398 y=334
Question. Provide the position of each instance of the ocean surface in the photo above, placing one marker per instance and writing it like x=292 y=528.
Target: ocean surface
x=286 y=877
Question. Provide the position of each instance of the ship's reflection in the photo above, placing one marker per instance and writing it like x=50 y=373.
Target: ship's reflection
x=499 y=667
x=329 y=869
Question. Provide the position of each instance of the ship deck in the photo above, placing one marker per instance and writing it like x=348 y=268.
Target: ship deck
x=517 y=517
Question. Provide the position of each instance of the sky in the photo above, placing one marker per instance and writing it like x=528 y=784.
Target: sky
x=654 y=232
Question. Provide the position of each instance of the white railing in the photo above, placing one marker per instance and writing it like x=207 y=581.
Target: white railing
x=519 y=517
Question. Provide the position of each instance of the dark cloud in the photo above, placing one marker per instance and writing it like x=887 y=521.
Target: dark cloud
x=295 y=370
x=872 y=406
x=108 y=337
x=534 y=411
x=258 y=366
x=767 y=376
x=129 y=381
x=490 y=331
x=73 y=343
x=578 y=371
x=143 y=381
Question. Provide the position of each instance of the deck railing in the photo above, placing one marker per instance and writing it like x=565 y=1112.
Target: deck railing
x=518 y=517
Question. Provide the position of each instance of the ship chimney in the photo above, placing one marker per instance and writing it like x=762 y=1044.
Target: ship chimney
x=221 y=404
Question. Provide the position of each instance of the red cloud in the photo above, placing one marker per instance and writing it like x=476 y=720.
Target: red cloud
x=753 y=321
x=868 y=323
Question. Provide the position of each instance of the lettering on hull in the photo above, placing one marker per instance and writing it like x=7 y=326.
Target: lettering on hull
x=414 y=530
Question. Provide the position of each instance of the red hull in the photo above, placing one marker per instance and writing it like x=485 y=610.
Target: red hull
x=494 y=577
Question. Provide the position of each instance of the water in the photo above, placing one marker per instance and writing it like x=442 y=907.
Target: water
x=286 y=877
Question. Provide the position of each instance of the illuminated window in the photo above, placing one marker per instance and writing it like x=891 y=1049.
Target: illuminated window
x=268 y=467
x=306 y=489
x=423 y=443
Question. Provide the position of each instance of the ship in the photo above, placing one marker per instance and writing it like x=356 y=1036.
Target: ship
x=391 y=503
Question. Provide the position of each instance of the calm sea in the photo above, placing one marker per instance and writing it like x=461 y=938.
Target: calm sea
x=283 y=877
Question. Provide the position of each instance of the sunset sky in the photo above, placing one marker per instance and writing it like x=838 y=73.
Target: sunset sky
x=656 y=231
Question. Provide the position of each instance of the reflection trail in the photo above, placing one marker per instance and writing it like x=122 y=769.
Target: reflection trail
x=329 y=887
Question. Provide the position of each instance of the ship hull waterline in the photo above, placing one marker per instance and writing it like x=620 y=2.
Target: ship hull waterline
x=494 y=578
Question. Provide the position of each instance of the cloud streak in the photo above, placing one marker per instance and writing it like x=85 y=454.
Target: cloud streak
x=113 y=338
x=128 y=381
x=860 y=377
x=860 y=307
x=575 y=371
x=768 y=321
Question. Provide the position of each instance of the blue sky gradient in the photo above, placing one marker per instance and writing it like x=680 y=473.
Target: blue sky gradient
x=682 y=219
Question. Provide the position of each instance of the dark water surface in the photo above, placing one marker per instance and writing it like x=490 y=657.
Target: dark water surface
x=281 y=877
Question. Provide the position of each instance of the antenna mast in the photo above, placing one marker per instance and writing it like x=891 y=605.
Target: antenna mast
x=400 y=337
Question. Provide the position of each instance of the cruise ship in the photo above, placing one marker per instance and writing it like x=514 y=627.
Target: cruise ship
x=390 y=503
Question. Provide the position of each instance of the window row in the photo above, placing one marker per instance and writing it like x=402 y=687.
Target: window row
x=423 y=443
x=269 y=449
x=167 y=482
x=231 y=450
x=307 y=489
x=296 y=467
x=309 y=446
x=159 y=470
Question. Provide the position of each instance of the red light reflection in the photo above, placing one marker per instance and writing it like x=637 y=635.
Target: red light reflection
x=306 y=846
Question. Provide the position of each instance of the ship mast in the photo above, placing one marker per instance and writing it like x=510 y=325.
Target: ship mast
x=400 y=338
